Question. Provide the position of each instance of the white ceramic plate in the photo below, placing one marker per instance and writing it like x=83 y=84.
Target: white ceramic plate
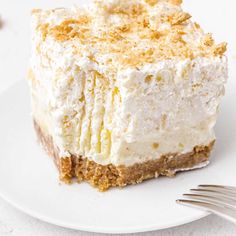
x=28 y=179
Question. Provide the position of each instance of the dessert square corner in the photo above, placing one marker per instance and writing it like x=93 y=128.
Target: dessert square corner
x=124 y=91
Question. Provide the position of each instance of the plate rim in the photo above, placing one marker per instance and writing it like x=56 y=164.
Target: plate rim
x=96 y=229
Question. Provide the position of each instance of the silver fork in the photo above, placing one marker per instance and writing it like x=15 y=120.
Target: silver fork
x=218 y=199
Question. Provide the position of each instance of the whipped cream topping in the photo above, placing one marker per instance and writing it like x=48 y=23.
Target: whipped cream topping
x=95 y=107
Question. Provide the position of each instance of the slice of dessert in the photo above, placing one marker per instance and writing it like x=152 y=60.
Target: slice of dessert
x=124 y=91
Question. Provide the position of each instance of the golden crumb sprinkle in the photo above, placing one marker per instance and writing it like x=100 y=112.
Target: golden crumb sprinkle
x=196 y=25
x=44 y=30
x=154 y=2
x=179 y=18
x=155 y=145
x=35 y=11
x=151 y=2
x=131 y=10
x=124 y=28
x=155 y=35
x=208 y=40
x=220 y=49
x=69 y=29
x=176 y=2
x=130 y=33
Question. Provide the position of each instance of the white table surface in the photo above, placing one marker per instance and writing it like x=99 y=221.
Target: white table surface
x=218 y=18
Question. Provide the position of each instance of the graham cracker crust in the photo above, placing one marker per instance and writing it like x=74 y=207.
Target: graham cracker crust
x=104 y=177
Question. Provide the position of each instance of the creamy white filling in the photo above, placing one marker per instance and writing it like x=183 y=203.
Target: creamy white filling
x=143 y=113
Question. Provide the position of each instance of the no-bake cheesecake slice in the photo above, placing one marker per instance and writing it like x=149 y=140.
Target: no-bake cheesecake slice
x=124 y=91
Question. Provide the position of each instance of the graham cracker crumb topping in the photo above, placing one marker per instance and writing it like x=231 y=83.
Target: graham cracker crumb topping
x=44 y=30
x=70 y=28
x=208 y=40
x=179 y=18
x=220 y=49
x=131 y=33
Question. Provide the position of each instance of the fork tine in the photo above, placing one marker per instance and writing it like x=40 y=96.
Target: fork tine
x=222 y=200
x=217 y=187
x=213 y=191
x=218 y=210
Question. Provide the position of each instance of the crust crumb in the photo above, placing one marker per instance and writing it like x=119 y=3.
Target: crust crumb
x=65 y=169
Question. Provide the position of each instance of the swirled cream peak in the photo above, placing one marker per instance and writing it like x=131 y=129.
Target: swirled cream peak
x=129 y=33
